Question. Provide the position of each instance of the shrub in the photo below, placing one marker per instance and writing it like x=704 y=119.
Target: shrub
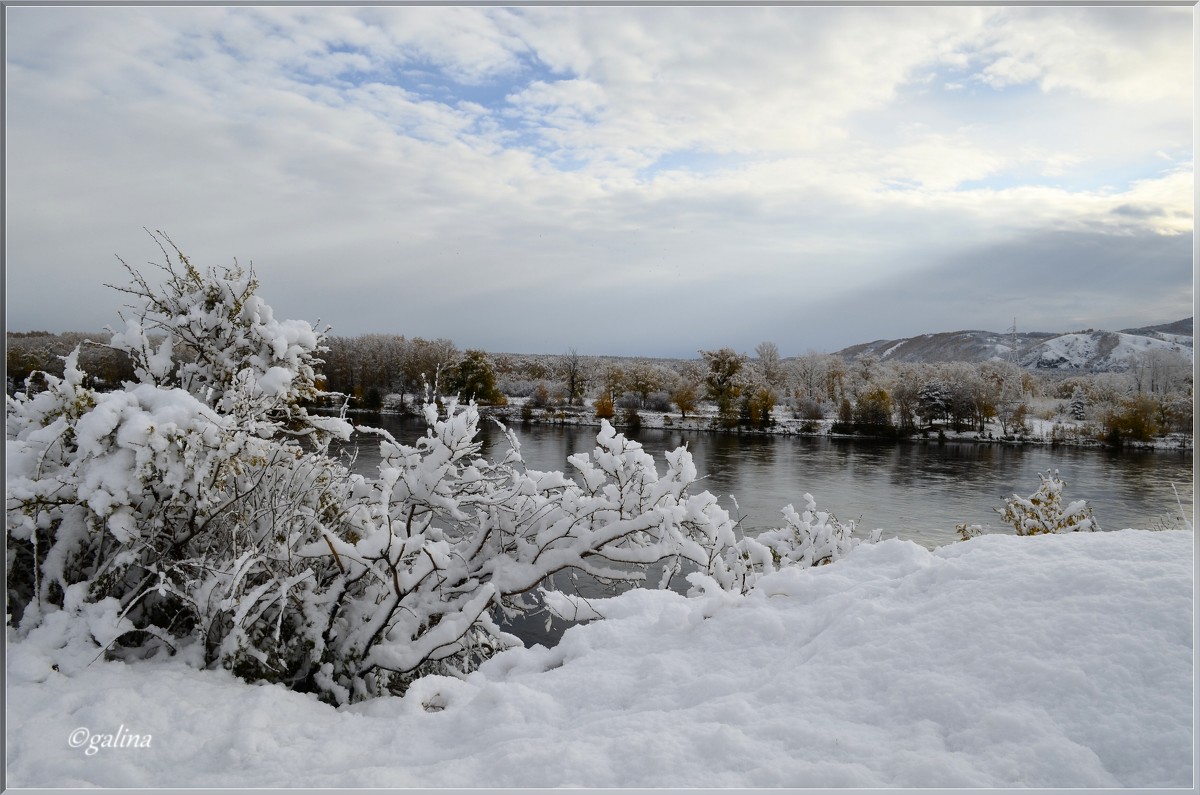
x=659 y=402
x=809 y=409
x=1132 y=419
x=1044 y=511
x=873 y=412
x=167 y=516
x=541 y=396
x=604 y=407
x=811 y=538
x=757 y=405
x=968 y=531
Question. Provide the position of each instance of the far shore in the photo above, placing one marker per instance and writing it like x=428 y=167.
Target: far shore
x=1039 y=432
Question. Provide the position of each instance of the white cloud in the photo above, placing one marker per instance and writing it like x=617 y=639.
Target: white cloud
x=382 y=161
x=1115 y=54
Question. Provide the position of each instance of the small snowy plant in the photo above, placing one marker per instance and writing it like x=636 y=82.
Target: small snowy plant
x=1045 y=512
x=968 y=531
x=811 y=538
x=198 y=511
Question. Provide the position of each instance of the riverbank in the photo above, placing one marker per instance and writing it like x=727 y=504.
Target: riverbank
x=1038 y=431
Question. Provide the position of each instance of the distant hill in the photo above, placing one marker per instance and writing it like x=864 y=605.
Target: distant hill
x=1090 y=350
x=949 y=346
x=1182 y=328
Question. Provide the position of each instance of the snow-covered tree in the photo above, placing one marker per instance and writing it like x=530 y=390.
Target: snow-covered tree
x=1079 y=404
x=571 y=366
x=724 y=382
x=933 y=401
x=808 y=377
x=770 y=363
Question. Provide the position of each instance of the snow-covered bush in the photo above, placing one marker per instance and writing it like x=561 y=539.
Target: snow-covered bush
x=451 y=536
x=180 y=501
x=1044 y=510
x=811 y=538
x=198 y=511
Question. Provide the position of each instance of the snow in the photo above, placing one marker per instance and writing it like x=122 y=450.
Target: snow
x=1185 y=340
x=1047 y=661
x=1083 y=351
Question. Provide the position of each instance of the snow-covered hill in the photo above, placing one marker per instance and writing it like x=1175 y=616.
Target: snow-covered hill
x=948 y=346
x=1090 y=350
x=1103 y=351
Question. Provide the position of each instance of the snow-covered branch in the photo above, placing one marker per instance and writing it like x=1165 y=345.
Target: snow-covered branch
x=198 y=511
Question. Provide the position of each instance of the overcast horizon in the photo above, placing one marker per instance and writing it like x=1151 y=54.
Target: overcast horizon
x=617 y=180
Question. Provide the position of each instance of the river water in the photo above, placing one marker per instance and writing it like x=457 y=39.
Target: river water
x=916 y=490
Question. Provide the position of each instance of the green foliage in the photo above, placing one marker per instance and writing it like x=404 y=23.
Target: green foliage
x=23 y=363
x=474 y=378
x=1079 y=404
x=845 y=417
x=722 y=383
x=845 y=412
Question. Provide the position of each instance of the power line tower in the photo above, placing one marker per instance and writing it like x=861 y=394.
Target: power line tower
x=1012 y=343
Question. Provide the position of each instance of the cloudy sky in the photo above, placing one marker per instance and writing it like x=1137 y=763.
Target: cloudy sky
x=618 y=180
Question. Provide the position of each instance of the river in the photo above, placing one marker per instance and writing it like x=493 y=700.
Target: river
x=916 y=490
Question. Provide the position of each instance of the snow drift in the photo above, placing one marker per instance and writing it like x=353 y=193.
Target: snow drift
x=1048 y=661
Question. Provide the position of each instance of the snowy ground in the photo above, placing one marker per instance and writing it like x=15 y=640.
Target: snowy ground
x=1048 y=661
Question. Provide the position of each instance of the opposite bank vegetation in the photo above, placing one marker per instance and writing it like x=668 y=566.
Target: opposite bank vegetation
x=1149 y=404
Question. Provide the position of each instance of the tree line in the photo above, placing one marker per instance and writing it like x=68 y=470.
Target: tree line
x=864 y=395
